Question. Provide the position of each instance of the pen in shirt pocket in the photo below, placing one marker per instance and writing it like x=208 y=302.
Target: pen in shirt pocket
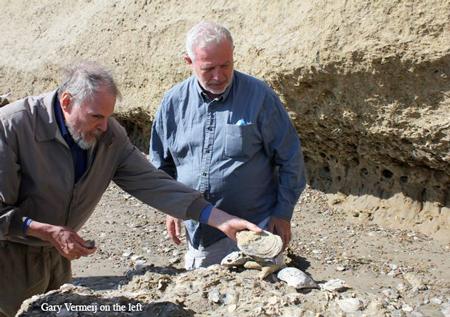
x=242 y=122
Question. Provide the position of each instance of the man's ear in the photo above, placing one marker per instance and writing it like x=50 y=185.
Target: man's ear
x=66 y=101
x=187 y=59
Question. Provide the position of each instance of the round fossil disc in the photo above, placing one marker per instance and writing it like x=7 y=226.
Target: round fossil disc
x=262 y=245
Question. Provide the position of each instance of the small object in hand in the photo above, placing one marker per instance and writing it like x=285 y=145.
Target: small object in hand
x=90 y=244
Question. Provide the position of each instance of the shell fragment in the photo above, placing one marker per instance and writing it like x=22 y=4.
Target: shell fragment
x=264 y=245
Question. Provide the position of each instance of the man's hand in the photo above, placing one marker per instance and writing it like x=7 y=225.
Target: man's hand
x=173 y=226
x=68 y=243
x=228 y=224
x=282 y=228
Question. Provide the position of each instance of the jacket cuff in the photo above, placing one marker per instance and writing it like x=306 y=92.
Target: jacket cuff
x=15 y=226
x=195 y=209
x=283 y=211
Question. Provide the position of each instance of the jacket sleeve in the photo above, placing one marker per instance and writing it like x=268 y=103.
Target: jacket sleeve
x=137 y=176
x=283 y=145
x=159 y=153
x=11 y=211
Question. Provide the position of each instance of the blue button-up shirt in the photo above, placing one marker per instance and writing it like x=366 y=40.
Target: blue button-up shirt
x=240 y=149
x=79 y=156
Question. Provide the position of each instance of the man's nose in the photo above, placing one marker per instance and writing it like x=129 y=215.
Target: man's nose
x=217 y=74
x=103 y=125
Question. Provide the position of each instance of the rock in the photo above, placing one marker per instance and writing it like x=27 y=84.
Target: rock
x=349 y=305
x=296 y=278
x=390 y=293
x=334 y=285
x=136 y=257
x=407 y=308
x=400 y=287
x=231 y=297
x=436 y=301
x=163 y=282
x=4 y=99
x=267 y=270
x=214 y=296
x=217 y=291
x=127 y=254
x=415 y=281
x=264 y=245
x=252 y=265
x=445 y=309
x=266 y=266
x=340 y=268
x=397 y=313
x=139 y=265
x=375 y=308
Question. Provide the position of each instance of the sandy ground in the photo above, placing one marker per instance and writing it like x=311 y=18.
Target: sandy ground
x=325 y=244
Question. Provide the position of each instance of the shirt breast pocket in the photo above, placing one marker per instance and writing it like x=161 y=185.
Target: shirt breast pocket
x=241 y=141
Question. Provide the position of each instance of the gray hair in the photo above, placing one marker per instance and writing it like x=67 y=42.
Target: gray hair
x=205 y=33
x=85 y=79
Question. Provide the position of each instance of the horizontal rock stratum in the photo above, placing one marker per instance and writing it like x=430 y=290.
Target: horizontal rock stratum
x=367 y=83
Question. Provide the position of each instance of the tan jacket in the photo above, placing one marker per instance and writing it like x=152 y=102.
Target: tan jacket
x=37 y=174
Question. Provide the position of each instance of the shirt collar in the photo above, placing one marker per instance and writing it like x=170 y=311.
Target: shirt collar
x=222 y=97
x=60 y=119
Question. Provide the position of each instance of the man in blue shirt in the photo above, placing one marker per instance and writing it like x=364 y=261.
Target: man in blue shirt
x=227 y=135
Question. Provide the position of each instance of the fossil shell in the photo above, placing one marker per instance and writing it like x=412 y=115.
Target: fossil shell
x=236 y=258
x=264 y=245
x=296 y=278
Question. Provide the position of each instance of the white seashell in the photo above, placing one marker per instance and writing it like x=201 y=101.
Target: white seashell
x=263 y=245
x=236 y=258
x=334 y=285
x=296 y=278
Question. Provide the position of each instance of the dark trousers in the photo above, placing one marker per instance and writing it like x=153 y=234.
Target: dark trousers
x=26 y=271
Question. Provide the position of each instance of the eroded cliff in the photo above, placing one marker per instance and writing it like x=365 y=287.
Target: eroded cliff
x=367 y=83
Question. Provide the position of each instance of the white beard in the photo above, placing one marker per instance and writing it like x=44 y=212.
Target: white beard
x=78 y=138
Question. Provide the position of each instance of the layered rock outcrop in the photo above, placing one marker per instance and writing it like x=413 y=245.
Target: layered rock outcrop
x=367 y=82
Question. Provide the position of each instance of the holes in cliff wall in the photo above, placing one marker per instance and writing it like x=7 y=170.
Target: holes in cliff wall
x=363 y=172
x=138 y=124
x=387 y=173
x=325 y=176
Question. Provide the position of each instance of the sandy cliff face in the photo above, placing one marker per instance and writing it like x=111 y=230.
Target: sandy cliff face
x=367 y=83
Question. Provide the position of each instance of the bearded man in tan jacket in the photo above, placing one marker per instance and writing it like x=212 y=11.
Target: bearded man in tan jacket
x=58 y=153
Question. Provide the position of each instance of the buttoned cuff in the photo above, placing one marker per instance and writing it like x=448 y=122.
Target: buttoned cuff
x=195 y=209
x=206 y=212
